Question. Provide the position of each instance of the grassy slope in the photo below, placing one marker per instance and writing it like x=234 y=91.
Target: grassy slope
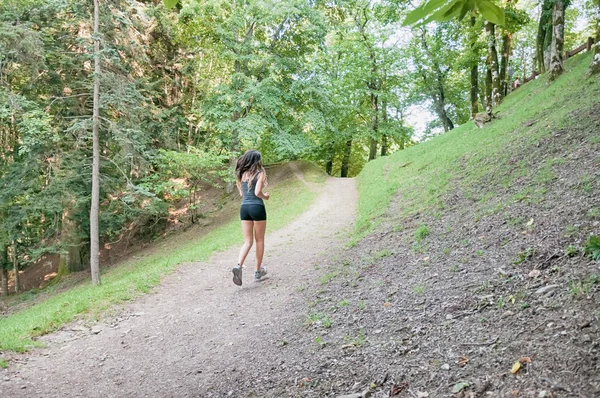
x=17 y=332
x=423 y=174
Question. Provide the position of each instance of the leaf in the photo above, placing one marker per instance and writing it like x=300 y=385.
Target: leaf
x=170 y=3
x=422 y=11
x=459 y=387
x=534 y=273
x=516 y=367
x=466 y=7
x=525 y=360
x=491 y=12
x=444 y=14
x=449 y=12
x=462 y=361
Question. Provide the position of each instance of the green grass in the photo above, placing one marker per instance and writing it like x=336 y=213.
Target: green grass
x=318 y=318
x=423 y=174
x=135 y=277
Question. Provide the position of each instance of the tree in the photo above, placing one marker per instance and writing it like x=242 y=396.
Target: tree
x=558 y=39
x=595 y=64
x=95 y=205
x=492 y=62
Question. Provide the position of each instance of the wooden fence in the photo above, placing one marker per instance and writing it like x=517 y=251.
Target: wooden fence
x=568 y=54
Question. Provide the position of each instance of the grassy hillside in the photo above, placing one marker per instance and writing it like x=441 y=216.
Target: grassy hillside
x=473 y=258
x=482 y=161
x=290 y=197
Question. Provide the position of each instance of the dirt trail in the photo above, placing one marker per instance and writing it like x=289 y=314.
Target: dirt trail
x=190 y=337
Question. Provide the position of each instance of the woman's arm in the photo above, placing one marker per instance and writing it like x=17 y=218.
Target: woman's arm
x=259 y=186
x=238 y=184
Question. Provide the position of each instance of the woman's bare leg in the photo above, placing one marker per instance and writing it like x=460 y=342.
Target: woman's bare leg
x=247 y=228
x=259 y=236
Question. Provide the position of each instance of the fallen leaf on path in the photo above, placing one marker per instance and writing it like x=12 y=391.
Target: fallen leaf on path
x=459 y=387
x=525 y=360
x=387 y=304
x=304 y=381
x=516 y=367
x=535 y=273
x=398 y=389
x=462 y=361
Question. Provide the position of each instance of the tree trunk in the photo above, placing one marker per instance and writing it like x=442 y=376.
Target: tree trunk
x=95 y=205
x=558 y=39
x=374 y=126
x=504 y=61
x=71 y=260
x=4 y=268
x=547 y=47
x=544 y=37
x=329 y=167
x=595 y=65
x=474 y=73
x=384 y=138
x=488 y=89
x=493 y=63
x=15 y=260
x=346 y=159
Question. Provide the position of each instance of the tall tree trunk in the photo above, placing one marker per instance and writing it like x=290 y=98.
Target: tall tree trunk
x=346 y=158
x=474 y=71
x=71 y=260
x=547 y=47
x=329 y=166
x=384 y=137
x=558 y=39
x=493 y=62
x=544 y=37
x=4 y=268
x=235 y=140
x=374 y=126
x=504 y=62
x=595 y=65
x=488 y=89
x=15 y=260
x=438 y=93
x=95 y=205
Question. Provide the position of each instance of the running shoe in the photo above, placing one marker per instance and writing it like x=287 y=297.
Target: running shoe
x=237 y=275
x=259 y=274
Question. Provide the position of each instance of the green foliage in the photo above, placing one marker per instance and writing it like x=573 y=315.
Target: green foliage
x=170 y=3
x=592 y=247
x=445 y=10
x=421 y=233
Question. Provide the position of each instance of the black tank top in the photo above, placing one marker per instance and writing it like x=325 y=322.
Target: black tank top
x=248 y=196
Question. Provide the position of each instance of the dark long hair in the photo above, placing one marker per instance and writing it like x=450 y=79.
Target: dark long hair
x=250 y=162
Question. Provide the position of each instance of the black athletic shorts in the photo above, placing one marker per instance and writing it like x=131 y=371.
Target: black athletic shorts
x=253 y=213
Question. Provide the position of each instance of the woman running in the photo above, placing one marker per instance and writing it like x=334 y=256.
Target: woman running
x=251 y=179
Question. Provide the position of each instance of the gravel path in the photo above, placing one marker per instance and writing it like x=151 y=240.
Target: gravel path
x=191 y=336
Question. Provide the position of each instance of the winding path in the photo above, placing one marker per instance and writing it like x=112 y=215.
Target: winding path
x=194 y=331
